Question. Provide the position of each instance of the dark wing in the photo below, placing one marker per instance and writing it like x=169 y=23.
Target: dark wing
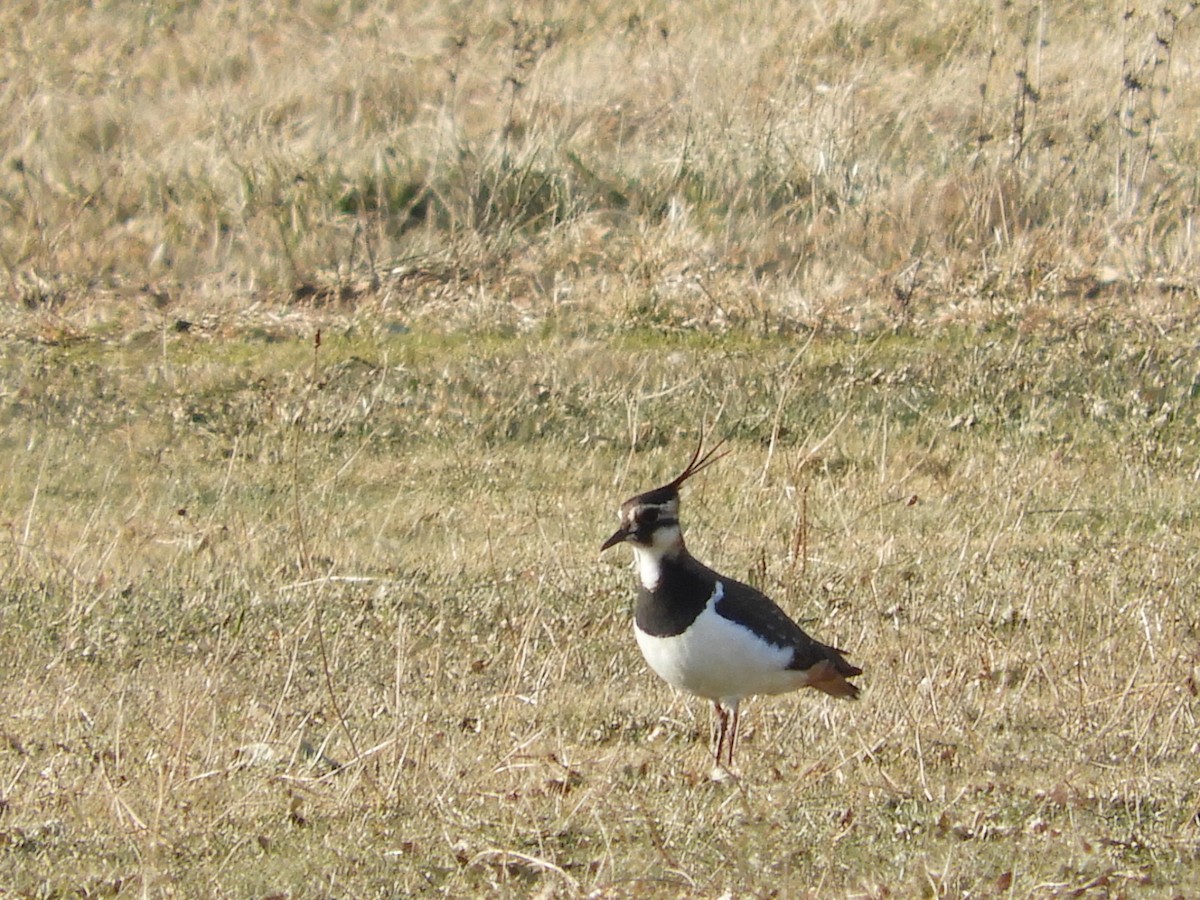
x=742 y=603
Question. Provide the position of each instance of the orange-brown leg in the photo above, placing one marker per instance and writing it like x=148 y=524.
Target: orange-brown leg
x=722 y=727
x=733 y=729
x=727 y=726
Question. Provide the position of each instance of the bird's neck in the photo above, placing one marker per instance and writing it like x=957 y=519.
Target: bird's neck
x=653 y=559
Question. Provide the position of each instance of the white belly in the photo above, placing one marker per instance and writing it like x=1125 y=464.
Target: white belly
x=719 y=659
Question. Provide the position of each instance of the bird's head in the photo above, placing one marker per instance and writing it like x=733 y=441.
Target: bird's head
x=651 y=520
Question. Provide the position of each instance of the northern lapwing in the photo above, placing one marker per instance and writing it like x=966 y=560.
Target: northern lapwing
x=710 y=635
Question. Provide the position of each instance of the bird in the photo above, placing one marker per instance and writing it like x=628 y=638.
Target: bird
x=710 y=635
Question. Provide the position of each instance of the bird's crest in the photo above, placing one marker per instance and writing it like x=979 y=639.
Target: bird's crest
x=698 y=463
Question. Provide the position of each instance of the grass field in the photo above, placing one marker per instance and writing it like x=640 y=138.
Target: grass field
x=283 y=616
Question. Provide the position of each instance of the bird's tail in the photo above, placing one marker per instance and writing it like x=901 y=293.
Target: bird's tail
x=830 y=674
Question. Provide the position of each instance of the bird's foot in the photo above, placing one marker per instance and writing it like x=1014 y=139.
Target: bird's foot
x=720 y=773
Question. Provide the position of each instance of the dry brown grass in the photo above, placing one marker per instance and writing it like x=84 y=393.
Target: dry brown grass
x=842 y=164
x=278 y=623
x=285 y=621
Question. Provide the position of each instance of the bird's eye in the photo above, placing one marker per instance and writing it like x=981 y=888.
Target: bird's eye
x=648 y=516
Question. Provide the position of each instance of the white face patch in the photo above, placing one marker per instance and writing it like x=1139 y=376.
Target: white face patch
x=649 y=559
x=666 y=538
x=635 y=512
